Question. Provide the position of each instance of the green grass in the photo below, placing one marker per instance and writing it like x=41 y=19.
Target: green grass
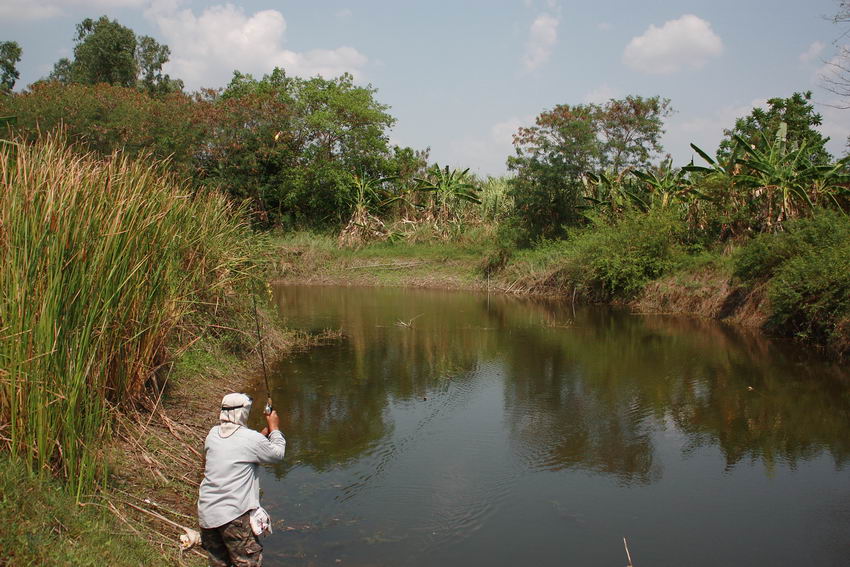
x=311 y=254
x=44 y=525
x=101 y=264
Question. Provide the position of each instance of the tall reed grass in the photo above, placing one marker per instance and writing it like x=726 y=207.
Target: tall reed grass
x=100 y=263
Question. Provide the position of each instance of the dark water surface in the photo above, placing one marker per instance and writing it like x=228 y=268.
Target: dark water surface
x=518 y=432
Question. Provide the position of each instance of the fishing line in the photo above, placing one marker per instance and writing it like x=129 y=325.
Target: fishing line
x=269 y=407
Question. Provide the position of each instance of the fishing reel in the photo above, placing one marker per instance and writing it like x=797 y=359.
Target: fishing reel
x=268 y=409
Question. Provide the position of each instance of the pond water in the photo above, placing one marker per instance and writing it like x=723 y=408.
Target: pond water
x=450 y=428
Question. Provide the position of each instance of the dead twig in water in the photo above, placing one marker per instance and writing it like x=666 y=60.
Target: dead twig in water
x=409 y=323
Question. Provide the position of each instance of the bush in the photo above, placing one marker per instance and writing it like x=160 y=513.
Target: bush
x=108 y=118
x=810 y=294
x=765 y=254
x=605 y=262
x=807 y=269
x=626 y=256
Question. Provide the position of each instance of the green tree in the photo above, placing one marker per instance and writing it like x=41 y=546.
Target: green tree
x=105 y=52
x=62 y=72
x=759 y=128
x=566 y=142
x=630 y=131
x=291 y=144
x=10 y=55
x=150 y=57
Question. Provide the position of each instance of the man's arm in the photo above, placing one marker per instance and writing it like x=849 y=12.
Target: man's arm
x=271 y=450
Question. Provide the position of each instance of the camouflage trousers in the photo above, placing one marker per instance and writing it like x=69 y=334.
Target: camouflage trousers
x=234 y=543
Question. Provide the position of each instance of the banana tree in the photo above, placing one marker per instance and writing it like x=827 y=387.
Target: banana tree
x=612 y=193
x=725 y=168
x=369 y=194
x=449 y=188
x=783 y=179
x=368 y=199
x=667 y=186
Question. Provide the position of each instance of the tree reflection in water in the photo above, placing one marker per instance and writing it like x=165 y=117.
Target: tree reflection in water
x=585 y=390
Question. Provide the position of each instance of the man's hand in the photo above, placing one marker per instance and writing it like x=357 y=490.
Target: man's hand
x=274 y=423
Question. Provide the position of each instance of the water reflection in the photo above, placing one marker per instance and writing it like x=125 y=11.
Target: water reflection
x=448 y=429
x=585 y=389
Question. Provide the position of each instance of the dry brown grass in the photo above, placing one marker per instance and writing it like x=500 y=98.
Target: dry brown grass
x=707 y=294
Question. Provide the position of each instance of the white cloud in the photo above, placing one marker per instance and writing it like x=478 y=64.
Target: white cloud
x=502 y=133
x=811 y=53
x=542 y=37
x=344 y=14
x=686 y=42
x=602 y=93
x=488 y=151
x=604 y=26
x=18 y=10
x=207 y=48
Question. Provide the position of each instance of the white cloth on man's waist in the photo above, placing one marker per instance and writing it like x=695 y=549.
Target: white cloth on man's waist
x=231 y=486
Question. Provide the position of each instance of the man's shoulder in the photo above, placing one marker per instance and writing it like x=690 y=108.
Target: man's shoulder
x=250 y=434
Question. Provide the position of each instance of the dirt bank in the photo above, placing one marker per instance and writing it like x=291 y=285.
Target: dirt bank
x=708 y=294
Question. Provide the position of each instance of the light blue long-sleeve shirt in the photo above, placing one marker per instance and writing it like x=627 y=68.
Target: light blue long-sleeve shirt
x=231 y=486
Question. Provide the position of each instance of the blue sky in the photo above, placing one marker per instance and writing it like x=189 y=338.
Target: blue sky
x=462 y=76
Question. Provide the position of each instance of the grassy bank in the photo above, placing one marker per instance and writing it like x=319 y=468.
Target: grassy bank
x=46 y=526
x=305 y=257
x=154 y=459
x=111 y=271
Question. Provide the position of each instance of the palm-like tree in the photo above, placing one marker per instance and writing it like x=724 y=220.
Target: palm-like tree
x=449 y=188
x=784 y=181
x=666 y=186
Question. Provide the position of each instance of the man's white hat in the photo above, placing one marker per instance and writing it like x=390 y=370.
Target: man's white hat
x=234 y=413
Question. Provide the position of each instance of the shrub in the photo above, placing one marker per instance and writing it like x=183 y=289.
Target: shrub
x=810 y=294
x=624 y=257
x=762 y=256
x=605 y=262
x=807 y=269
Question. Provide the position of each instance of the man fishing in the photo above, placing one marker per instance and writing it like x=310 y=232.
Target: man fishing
x=229 y=509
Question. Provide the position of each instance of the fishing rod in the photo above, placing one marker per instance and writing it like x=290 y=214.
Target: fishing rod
x=268 y=409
